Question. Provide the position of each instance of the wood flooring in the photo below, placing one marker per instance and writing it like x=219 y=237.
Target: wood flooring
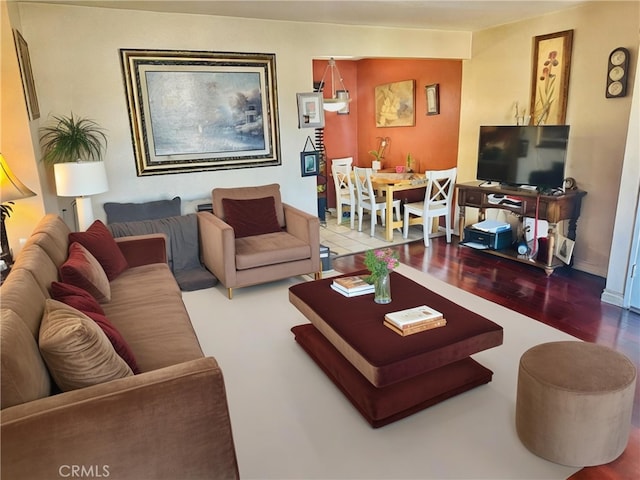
x=568 y=300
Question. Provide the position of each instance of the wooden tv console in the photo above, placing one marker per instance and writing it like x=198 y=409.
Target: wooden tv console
x=552 y=208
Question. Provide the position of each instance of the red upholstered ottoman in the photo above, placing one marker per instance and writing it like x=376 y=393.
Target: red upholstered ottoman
x=387 y=376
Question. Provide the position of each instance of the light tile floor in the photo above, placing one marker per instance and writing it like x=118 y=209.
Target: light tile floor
x=341 y=240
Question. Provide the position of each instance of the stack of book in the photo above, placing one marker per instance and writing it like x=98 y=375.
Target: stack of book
x=352 y=286
x=414 y=320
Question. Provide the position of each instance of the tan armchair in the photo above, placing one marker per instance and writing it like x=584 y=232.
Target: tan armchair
x=252 y=237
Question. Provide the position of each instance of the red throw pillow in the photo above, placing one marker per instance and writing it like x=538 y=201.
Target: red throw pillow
x=75 y=297
x=120 y=345
x=251 y=217
x=99 y=241
x=83 y=270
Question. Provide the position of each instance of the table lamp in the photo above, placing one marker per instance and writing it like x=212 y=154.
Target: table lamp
x=10 y=189
x=81 y=179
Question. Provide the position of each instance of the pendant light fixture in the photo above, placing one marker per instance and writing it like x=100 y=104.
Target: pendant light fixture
x=333 y=104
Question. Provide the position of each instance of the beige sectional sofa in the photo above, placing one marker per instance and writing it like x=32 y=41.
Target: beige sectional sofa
x=171 y=420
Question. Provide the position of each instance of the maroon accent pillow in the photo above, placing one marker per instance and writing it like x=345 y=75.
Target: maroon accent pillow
x=75 y=297
x=120 y=345
x=99 y=241
x=251 y=217
x=83 y=270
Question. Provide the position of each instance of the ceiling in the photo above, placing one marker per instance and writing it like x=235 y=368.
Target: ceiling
x=467 y=15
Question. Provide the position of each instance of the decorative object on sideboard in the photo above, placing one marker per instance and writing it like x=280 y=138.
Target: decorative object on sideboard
x=81 y=179
x=395 y=104
x=339 y=100
x=224 y=113
x=550 y=78
x=617 y=73
x=433 y=99
x=11 y=188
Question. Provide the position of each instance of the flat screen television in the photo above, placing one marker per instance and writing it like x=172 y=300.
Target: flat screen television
x=516 y=155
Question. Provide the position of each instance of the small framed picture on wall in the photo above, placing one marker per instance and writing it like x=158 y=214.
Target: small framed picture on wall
x=310 y=163
x=310 y=113
x=343 y=95
x=433 y=99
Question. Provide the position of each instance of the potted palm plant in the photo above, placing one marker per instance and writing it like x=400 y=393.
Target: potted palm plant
x=72 y=139
x=74 y=146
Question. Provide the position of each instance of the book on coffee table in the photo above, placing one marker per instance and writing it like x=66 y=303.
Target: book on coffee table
x=353 y=293
x=413 y=317
x=352 y=286
x=421 y=327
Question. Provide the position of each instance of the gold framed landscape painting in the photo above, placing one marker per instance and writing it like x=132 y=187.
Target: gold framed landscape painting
x=550 y=77
x=196 y=111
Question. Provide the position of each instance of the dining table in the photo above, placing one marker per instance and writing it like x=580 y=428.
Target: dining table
x=390 y=182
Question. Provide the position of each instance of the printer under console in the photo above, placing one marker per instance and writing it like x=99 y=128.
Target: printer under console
x=489 y=234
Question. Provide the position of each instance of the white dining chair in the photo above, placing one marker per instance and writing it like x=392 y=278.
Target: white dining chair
x=437 y=203
x=368 y=200
x=345 y=191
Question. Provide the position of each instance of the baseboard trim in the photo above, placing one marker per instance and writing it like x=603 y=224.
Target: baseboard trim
x=612 y=297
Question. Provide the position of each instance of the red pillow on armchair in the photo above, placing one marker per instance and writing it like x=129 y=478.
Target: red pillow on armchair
x=255 y=216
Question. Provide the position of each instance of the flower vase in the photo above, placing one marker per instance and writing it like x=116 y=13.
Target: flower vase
x=382 y=285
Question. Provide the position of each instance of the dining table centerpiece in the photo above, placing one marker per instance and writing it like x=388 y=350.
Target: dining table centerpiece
x=380 y=263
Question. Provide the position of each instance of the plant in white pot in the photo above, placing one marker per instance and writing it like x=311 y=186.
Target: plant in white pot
x=74 y=146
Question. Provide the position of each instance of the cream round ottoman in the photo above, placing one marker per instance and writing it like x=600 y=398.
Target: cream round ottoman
x=574 y=402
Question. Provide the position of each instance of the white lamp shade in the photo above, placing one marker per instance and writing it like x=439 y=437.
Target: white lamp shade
x=333 y=104
x=76 y=179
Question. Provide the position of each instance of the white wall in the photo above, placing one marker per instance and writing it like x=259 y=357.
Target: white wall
x=499 y=74
x=16 y=143
x=618 y=288
x=75 y=55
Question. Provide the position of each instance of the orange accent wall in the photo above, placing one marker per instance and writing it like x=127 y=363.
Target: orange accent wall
x=432 y=142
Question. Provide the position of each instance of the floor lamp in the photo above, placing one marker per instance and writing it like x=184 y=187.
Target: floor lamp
x=81 y=179
x=10 y=189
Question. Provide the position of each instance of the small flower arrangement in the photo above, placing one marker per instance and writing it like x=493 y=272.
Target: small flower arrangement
x=380 y=262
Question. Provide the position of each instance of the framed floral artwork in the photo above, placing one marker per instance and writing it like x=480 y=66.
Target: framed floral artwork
x=550 y=77
x=395 y=104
